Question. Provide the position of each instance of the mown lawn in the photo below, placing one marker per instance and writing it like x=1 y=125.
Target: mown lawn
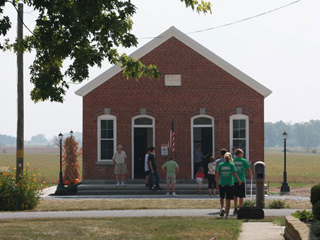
x=121 y=228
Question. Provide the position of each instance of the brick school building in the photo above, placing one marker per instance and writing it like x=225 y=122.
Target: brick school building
x=214 y=105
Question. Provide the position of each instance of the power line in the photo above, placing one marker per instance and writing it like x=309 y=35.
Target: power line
x=232 y=23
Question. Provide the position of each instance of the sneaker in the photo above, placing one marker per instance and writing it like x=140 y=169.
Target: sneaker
x=222 y=212
x=123 y=185
x=235 y=212
x=118 y=184
x=174 y=194
x=168 y=194
x=227 y=217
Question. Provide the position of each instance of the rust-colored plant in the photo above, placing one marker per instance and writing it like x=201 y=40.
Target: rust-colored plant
x=70 y=164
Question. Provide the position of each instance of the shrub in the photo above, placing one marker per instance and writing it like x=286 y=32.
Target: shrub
x=249 y=203
x=315 y=194
x=304 y=215
x=277 y=204
x=20 y=196
x=316 y=210
x=315 y=228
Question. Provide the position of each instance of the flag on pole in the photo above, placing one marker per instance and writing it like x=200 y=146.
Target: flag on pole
x=171 y=144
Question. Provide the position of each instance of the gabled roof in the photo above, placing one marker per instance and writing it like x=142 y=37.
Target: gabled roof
x=174 y=32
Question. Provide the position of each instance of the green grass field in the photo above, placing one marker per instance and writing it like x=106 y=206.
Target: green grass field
x=302 y=168
x=45 y=165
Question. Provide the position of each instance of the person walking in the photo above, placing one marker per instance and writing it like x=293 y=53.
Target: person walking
x=225 y=184
x=154 y=175
x=217 y=162
x=242 y=166
x=171 y=168
x=146 y=167
x=120 y=166
x=212 y=176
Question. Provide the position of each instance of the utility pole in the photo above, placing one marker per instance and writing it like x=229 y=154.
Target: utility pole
x=20 y=115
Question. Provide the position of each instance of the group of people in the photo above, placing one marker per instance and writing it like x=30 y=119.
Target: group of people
x=226 y=174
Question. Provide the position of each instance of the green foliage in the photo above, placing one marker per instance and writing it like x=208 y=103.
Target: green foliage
x=85 y=32
x=249 y=203
x=304 y=215
x=277 y=204
x=315 y=194
x=315 y=228
x=316 y=210
x=24 y=195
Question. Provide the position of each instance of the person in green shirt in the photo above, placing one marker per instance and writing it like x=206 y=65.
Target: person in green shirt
x=242 y=166
x=226 y=171
x=171 y=168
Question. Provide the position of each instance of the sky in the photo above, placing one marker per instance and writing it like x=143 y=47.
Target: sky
x=280 y=50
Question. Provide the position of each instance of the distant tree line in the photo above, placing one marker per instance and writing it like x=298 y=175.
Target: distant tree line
x=38 y=139
x=305 y=134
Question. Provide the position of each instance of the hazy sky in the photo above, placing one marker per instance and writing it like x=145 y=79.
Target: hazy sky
x=281 y=50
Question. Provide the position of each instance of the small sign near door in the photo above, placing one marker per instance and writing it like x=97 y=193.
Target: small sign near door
x=164 y=149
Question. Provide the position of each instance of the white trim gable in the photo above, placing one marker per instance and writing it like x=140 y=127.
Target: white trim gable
x=174 y=32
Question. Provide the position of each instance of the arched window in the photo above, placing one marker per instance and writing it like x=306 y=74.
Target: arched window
x=239 y=133
x=107 y=137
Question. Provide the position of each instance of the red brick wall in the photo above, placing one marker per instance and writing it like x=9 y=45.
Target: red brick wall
x=204 y=85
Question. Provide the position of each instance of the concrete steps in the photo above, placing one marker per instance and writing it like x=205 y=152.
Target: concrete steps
x=137 y=187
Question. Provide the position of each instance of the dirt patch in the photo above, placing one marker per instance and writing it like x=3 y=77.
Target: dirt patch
x=294 y=191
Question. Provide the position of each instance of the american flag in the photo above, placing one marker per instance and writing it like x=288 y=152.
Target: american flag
x=171 y=143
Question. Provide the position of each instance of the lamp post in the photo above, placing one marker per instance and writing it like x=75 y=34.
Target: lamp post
x=285 y=187
x=61 y=184
x=71 y=133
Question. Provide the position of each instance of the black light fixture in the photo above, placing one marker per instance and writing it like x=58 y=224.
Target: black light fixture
x=285 y=187
x=61 y=184
x=71 y=133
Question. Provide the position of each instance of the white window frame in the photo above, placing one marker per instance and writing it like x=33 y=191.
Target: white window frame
x=133 y=126
x=107 y=117
x=198 y=126
x=240 y=117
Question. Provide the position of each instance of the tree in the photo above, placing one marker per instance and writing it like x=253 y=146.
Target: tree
x=86 y=32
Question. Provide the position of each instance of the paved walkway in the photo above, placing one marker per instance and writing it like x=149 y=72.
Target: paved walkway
x=261 y=230
x=133 y=213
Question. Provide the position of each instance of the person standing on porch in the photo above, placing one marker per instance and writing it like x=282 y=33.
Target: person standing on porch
x=154 y=175
x=198 y=158
x=146 y=167
x=120 y=166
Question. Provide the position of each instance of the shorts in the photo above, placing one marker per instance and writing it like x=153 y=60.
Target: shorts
x=226 y=192
x=240 y=191
x=171 y=178
x=147 y=173
x=120 y=168
x=199 y=181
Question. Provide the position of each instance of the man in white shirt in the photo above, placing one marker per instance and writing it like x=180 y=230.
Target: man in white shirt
x=146 y=167
x=120 y=166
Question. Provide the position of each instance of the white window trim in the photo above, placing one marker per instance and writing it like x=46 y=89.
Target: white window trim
x=240 y=117
x=133 y=126
x=198 y=126
x=107 y=117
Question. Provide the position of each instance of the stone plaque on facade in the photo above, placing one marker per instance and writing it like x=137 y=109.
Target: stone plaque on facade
x=172 y=80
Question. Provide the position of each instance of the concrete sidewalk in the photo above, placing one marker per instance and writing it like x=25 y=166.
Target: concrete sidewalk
x=261 y=230
x=133 y=213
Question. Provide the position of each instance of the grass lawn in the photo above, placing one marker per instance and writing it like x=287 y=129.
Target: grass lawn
x=127 y=204
x=121 y=228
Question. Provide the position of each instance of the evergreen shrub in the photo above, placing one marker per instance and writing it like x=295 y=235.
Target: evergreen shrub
x=315 y=194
